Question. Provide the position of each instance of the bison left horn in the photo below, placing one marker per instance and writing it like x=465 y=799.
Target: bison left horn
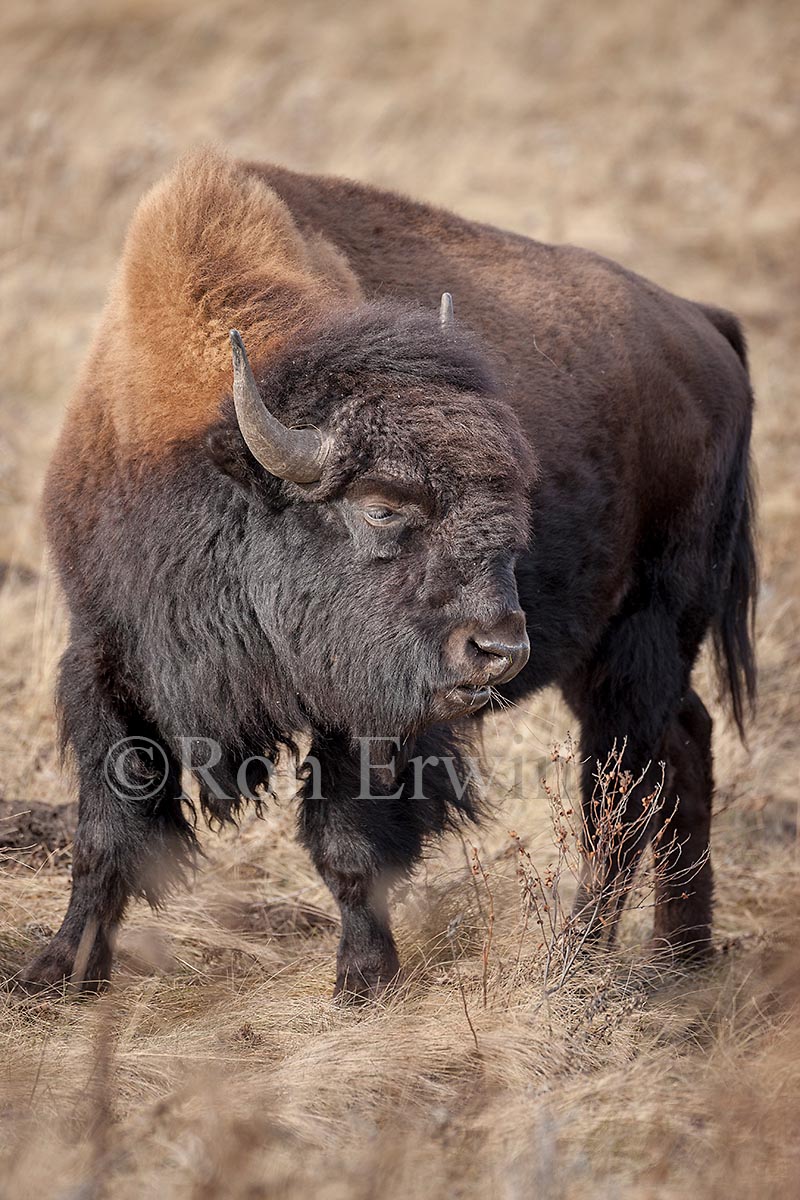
x=295 y=454
x=446 y=311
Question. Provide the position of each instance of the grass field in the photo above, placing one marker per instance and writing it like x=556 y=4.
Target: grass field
x=664 y=135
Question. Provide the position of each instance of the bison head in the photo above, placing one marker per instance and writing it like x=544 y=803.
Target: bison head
x=388 y=506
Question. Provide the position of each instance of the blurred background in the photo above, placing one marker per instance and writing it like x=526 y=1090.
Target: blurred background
x=664 y=135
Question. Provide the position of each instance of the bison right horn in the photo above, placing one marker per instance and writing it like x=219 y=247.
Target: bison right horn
x=446 y=311
x=295 y=454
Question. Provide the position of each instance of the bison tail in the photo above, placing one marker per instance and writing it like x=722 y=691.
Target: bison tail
x=733 y=630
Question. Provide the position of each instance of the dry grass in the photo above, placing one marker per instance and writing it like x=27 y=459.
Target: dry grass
x=665 y=136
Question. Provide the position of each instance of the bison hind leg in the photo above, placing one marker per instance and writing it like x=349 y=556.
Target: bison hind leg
x=684 y=887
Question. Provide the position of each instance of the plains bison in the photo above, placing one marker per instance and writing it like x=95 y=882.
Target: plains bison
x=388 y=517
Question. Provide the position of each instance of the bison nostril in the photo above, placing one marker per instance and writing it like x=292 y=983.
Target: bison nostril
x=506 y=651
x=494 y=647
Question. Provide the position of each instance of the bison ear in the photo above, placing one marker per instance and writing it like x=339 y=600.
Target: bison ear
x=226 y=448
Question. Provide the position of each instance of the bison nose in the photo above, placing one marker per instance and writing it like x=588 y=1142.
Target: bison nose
x=504 y=648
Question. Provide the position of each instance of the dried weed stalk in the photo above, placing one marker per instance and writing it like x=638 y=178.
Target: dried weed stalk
x=587 y=857
x=478 y=871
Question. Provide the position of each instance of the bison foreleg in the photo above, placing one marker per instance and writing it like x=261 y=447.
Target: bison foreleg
x=366 y=828
x=132 y=837
x=357 y=845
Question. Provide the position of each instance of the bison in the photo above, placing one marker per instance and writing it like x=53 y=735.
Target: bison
x=389 y=518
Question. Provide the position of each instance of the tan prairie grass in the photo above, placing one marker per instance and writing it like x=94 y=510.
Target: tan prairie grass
x=665 y=136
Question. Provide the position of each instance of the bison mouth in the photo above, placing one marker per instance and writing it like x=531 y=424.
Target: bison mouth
x=464 y=699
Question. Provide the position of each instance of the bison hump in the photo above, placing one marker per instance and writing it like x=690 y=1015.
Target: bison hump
x=210 y=248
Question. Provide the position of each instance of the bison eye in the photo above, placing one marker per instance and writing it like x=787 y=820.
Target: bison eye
x=378 y=514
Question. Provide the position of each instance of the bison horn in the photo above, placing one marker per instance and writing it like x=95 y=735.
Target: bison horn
x=446 y=311
x=296 y=454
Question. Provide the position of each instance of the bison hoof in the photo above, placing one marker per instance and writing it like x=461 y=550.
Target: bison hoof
x=360 y=982
x=53 y=969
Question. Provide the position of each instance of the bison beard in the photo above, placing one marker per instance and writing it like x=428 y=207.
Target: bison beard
x=371 y=597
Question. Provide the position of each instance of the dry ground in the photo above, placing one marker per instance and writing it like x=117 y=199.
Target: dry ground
x=665 y=135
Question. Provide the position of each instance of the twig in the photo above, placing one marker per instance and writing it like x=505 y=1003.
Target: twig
x=477 y=869
x=451 y=932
